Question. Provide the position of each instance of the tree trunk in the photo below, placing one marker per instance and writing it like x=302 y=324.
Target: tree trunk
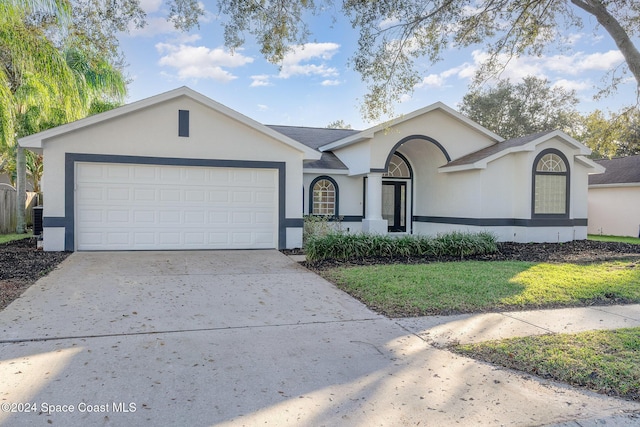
x=21 y=194
x=617 y=32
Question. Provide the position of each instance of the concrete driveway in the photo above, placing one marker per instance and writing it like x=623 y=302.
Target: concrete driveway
x=241 y=338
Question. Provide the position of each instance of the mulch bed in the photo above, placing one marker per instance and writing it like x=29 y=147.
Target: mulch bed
x=21 y=265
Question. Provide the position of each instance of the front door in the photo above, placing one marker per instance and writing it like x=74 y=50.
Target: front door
x=394 y=205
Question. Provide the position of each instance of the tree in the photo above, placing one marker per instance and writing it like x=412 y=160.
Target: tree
x=514 y=110
x=47 y=87
x=47 y=78
x=613 y=136
x=338 y=124
x=396 y=36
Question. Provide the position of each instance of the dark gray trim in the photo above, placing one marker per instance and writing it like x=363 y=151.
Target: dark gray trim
x=183 y=123
x=407 y=139
x=566 y=174
x=364 y=197
x=72 y=158
x=54 y=221
x=503 y=222
x=351 y=218
x=293 y=222
x=336 y=211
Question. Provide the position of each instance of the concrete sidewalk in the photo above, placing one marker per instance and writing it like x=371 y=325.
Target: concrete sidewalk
x=234 y=338
x=469 y=328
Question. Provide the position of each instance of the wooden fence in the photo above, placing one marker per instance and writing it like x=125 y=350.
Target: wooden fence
x=8 y=220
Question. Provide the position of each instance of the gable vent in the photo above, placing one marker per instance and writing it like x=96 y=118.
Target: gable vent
x=183 y=123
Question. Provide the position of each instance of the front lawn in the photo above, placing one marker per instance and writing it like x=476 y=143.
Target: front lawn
x=399 y=290
x=621 y=239
x=4 y=238
x=604 y=361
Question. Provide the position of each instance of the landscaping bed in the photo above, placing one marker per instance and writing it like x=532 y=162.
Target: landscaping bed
x=21 y=265
x=579 y=251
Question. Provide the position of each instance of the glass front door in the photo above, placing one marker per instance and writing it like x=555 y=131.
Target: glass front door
x=394 y=205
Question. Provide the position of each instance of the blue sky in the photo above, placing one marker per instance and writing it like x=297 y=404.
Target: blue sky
x=315 y=86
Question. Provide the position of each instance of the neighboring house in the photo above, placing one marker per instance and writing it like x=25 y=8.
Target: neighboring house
x=180 y=171
x=614 y=198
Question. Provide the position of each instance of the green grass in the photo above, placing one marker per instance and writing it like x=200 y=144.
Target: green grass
x=4 y=238
x=621 y=239
x=399 y=290
x=604 y=361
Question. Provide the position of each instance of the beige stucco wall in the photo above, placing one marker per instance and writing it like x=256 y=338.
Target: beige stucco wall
x=614 y=210
x=153 y=132
x=502 y=190
x=456 y=137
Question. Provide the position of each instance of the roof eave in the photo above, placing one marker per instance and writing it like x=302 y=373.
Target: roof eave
x=350 y=140
x=597 y=168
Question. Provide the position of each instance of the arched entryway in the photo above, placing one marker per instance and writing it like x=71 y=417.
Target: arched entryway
x=396 y=191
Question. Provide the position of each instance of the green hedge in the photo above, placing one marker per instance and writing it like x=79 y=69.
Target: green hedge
x=343 y=246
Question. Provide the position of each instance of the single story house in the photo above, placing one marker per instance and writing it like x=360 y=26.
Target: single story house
x=614 y=198
x=181 y=171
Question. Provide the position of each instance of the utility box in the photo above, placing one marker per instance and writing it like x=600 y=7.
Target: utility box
x=37 y=220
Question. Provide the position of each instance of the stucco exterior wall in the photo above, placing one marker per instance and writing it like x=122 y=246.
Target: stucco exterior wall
x=153 y=132
x=500 y=193
x=511 y=233
x=615 y=210
x=457 y=138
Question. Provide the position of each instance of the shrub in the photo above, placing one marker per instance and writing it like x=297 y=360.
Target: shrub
x=318 y=226
x=342 y=246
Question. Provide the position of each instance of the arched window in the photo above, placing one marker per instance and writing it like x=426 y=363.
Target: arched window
x=324 y=197
x=398 y=168
x=551 y=184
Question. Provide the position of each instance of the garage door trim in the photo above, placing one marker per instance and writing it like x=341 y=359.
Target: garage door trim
x=71 y=158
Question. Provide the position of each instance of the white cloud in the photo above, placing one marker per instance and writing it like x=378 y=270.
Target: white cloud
x=572 y=39
x=576 y=85
x=330 y=83
x=200 y=61
x=261 y=80
x=296 y=62
x=600 y=61
x=388 y=22
x=262 y=107
x=432 y=80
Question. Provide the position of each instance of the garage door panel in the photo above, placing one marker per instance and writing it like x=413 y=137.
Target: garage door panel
x=122 y=207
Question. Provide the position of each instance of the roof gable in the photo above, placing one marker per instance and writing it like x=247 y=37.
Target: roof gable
x=480 y=158
x=620 y=170
x=36 y=140
x=370 y=133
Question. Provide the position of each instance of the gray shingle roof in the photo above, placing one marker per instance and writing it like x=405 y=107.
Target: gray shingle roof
x=620 y=170
x=315 y=138
x=495 y=148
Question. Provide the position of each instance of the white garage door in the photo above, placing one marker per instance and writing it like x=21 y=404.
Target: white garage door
x=138 y=207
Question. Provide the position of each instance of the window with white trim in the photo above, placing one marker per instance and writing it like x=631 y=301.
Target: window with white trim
x=551 y=178
x=324 y=197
